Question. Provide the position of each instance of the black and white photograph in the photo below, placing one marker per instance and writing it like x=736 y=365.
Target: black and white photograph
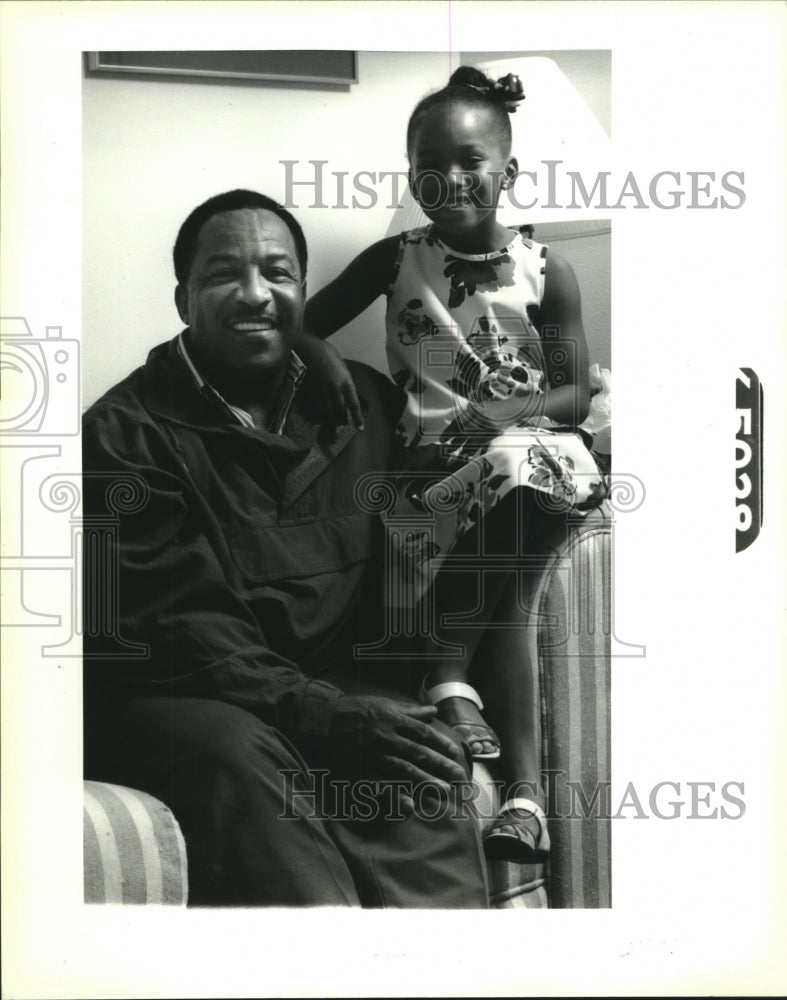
x=335 y=630
x=449 y=547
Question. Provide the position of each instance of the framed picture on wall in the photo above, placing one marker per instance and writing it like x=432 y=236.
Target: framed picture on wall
x=334 y=67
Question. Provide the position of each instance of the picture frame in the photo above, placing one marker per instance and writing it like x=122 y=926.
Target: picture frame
x=319 y=67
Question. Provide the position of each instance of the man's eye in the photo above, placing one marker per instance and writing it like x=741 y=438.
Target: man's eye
x=280 y=274
x=221 y=274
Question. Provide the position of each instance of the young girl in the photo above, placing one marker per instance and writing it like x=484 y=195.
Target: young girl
x=484 y=336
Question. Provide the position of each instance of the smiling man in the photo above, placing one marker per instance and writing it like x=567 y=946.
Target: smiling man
x=246 y=570
x=241 y=293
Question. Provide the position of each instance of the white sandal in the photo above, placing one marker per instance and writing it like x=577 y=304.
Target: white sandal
x=512 y=838
x=482 y=733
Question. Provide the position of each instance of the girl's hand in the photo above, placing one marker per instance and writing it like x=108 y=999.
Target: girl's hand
x=509 y=395
x=503 y=385
x=331 y=382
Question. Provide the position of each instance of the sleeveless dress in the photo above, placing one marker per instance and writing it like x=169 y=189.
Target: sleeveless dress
x=453 y=322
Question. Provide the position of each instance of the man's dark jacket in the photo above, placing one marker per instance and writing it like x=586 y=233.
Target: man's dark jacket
x=242 y=560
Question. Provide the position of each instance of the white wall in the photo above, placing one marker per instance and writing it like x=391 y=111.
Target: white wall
x=154 y=148
x=588 y=70
x=590 y=254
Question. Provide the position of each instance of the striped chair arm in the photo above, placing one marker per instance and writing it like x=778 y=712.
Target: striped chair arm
x=573 y=643
x=134 y=851
x=569 y=600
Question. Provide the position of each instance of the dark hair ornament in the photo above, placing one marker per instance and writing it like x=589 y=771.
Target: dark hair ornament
x=509 y=91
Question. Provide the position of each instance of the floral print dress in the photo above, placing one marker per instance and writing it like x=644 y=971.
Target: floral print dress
x=454 y=323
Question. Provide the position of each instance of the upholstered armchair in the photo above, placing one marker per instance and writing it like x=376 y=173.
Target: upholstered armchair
x=134 y=849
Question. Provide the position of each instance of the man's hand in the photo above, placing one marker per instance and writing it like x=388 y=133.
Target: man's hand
x=331 y=382
x=378 y=738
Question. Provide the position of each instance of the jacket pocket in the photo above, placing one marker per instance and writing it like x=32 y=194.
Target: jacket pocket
x=264 y=552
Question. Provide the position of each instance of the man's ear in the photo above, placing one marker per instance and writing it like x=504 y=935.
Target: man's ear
x=510 y=172
x=182 y=303
x=411 y=184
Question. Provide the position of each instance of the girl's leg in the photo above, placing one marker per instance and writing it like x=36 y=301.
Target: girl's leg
x=497 y=663
x=507 y=681
x=485 y=597
x=471 y=593
x=502 y=672
x=457 y=711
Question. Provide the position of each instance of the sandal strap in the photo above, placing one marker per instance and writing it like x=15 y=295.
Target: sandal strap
x=532 y=807
x=451 y=689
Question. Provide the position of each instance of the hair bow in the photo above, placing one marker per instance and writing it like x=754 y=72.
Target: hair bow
x=509 y=91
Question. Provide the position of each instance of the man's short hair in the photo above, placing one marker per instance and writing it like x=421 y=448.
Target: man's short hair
x=185 y=248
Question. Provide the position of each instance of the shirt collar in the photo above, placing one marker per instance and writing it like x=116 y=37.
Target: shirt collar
x=296 y=372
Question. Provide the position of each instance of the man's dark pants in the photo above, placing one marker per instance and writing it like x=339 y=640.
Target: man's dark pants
x=229 y=778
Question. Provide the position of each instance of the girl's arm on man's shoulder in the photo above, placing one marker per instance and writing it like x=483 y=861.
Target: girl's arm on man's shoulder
x=346 y=297
x=565 y=347
x=360 y=283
